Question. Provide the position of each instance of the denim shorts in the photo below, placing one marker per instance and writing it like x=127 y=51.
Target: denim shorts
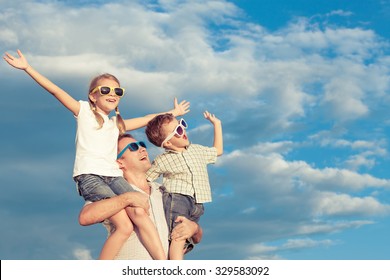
x=175 y=205
x=95 y=187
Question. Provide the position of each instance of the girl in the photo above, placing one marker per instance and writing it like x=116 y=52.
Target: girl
x=96 y=171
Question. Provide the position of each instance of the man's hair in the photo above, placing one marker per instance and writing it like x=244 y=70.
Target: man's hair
x=122 y=136
x=154 y=130
x=126 y=135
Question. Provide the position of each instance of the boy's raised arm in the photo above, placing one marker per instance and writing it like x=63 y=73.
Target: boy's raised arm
x=218 y=138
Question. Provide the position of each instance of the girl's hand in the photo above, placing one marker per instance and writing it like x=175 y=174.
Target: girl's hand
x=180 y=108
x=19 y=63
x=211 y=117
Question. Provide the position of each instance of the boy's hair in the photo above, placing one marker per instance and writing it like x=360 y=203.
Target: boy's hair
x=119 y=121
x=154 y=128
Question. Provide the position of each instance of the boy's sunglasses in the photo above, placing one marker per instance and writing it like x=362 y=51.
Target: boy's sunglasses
x=104 y=90
x=133 y=146
x=179 y=131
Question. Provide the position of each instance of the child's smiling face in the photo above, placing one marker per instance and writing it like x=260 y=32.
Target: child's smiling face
x=105 y=103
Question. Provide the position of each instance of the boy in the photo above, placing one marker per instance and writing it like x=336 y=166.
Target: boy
x=184 y=169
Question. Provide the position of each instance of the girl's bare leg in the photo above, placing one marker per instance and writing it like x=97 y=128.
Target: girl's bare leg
x=148 y=232
x=123 y=229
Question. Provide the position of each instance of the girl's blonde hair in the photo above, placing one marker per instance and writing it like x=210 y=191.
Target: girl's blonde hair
x=119 y=121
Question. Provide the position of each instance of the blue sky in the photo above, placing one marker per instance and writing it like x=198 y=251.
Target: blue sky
x=301 y=87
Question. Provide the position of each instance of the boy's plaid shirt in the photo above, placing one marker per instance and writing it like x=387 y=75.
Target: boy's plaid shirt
x=185 y=172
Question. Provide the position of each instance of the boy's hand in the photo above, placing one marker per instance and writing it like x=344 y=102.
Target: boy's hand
x=19 y=63
x=211 y=117
x=180 y=108
x=218 y=137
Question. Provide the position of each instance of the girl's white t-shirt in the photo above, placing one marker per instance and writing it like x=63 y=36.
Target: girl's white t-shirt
x=96 y=149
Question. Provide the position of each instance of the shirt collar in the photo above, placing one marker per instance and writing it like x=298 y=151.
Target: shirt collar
x=177 y=152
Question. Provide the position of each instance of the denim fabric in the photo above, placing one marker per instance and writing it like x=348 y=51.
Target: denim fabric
x=181 y=205
x=94 y=187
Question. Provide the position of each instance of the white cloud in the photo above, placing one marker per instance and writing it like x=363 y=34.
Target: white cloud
x=332 y=204
x=263 y=251
x=340 y=179
x=8 y=38
x=320 y=227
x=273 y=147
x=272 y=168
x=345 y=99
x=264 y=85
x=293 y=244
x=357 y=161
x=279 y=198
x=82 y=254
x=156 y=51
x=340 y=13
x=249 y=210
x=365 y=154
x=262 y=248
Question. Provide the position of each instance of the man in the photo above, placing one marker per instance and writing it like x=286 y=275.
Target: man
x=134 y=162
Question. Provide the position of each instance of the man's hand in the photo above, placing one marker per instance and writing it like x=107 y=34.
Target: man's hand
x=138 y=199
x=185 y=229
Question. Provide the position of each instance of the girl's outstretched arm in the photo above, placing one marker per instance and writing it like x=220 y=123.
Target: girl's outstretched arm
x=178 y=110
x=21 y=63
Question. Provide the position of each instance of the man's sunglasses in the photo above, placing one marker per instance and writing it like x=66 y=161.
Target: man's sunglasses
x=179 y=131
x=104 y=90
x=133 y=146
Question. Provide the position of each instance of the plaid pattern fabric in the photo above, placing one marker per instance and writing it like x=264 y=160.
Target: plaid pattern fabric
x=185 y=172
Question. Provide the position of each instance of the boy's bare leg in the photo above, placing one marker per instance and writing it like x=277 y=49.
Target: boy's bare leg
x=176 y=251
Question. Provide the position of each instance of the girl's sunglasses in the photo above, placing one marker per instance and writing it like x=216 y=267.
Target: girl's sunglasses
x=133 y=146
x=179 y=131
x=104 y=90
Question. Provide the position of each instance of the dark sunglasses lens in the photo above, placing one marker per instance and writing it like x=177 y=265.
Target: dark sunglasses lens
x=183 y=123
x=179 y=130
x=142 y=144
x=133 y=146
x=105 y=90
x=119 y=91
x=136 y=145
